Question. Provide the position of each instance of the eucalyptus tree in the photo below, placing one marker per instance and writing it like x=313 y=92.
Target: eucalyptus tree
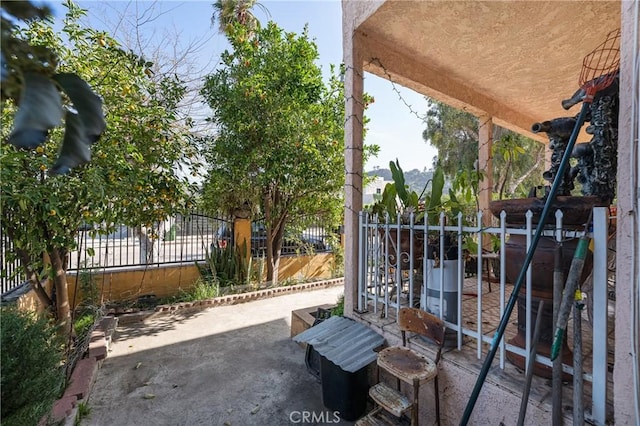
x=131 y=177
x=518 y=161
x=279 y=132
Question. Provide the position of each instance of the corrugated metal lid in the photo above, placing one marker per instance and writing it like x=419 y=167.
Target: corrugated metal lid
x=348 y=344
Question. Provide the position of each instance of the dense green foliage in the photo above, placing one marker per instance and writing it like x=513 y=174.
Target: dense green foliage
x=230 y=12
x=518 y=162
x=32 y=376
x=279 y=142
x=338 y=310
x=454 y=133
x=30 y=77
x=399 y=199
x=227 y=265
x=133 y=177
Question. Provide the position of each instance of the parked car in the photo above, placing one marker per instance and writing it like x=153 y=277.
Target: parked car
x=291 y=245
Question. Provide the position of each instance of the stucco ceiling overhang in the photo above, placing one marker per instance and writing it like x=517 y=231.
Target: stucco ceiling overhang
x=512 y=60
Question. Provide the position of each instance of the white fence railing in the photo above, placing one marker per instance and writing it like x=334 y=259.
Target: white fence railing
x=400 y=264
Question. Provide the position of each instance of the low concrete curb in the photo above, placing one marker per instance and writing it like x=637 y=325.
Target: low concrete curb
x=231 y=299
x=65 y=409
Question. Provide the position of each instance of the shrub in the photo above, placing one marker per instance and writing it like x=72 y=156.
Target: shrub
x=338 y=310
x=228 y=265
x=32 y=376
x=202 y=290
x=83 y=323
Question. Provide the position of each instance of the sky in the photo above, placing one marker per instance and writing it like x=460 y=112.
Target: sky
x=394 y=116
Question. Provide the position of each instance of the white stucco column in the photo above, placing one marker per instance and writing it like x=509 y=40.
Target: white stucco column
x=353 y=138
x=485 y=164
x=627 y=280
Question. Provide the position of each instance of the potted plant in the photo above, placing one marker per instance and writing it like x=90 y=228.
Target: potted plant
x=399 y=201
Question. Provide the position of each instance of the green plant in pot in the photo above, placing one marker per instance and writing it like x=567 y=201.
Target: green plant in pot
x=399 y=200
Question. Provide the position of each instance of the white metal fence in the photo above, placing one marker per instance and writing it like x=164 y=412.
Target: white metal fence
x=396 y=269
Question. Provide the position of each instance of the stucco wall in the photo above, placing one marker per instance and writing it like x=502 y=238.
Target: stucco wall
x=128 y=285
x=169 y=280
x=626 y=281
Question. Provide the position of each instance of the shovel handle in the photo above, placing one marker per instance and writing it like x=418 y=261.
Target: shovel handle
x=577 y=264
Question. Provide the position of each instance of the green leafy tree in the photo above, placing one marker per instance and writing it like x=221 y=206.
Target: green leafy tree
x=133 y=177
x=518 y=164
x=30 y=77
x=230 y=12
x=454 y=133
x=279 y=142
x=518 y=161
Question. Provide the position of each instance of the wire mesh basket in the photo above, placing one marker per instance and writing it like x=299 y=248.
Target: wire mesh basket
x=601 y=66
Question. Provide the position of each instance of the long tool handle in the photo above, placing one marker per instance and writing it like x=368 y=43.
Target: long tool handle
x=568 y=296
x=556 y=375
x=578 y=381
x=530 y=365
x=523 y=272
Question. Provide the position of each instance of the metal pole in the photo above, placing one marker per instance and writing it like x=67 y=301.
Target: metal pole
x=578 y=383
x=530 y=365
x=527 y=261
x=575 y=272
x=556 y=374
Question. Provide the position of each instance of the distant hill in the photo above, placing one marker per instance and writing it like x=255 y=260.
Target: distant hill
x=414 y=178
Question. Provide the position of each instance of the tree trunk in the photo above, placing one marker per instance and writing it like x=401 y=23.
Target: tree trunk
x=63 y=310
x=517 y=182
x=274 y=248
x=275 y=233
x=504 y=179
x=273 y=269
x=34 y=279
x=147 y=245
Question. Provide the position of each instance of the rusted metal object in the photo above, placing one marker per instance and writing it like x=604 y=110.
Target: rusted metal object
x=575 y=210
x=542 y=267
x=406 y=250
x=559 y=131
x=394 y=402
x=406 y=364
x=423 y=323
x=409 y=366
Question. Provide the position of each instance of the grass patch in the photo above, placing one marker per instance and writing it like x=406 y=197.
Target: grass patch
x=83 y=323
x=84 y=411
x=338 y=310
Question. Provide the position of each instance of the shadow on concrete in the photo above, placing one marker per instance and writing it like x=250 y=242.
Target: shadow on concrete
x=154 y=324
x=254 y=375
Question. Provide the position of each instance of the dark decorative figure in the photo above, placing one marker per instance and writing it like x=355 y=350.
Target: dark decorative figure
x=597 y=160
x=597 y=165
x=558 y=130
x=585 y=166
x=604 y=143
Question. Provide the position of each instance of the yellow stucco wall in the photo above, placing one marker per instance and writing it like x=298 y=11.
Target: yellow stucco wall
x=306 y=267
x=130 y=284
x=167 y=281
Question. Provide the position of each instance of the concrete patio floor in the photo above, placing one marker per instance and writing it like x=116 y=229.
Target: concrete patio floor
x=229 y=365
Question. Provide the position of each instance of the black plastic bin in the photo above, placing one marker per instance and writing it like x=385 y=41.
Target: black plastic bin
x=342 y=391
x=345 y=348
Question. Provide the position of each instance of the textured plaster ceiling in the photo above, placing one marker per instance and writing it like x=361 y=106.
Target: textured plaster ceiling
x=514 y=60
